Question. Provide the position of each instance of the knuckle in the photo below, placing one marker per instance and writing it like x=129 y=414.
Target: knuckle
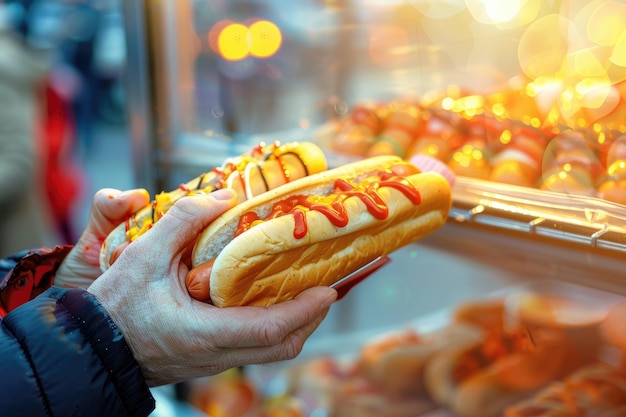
x=292 y=347
x=183 y=209
x=272 y=334
x=286 y=345
x=197 y=210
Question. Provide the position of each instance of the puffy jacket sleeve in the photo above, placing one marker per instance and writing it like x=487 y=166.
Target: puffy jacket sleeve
x=62 y=355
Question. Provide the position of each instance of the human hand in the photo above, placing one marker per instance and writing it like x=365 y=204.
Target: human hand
x=110 y=207
x=174 y=337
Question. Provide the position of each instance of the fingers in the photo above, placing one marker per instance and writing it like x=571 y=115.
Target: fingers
x=282 y=335
x=110 y=207
x=259 y=326
x=288 y=349
x=180 y=226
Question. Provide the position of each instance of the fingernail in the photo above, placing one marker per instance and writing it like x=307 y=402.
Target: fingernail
x=126 y=193
x=223 y=194
x=332 y=297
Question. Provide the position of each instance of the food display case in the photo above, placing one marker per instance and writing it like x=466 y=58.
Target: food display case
x=524 y=101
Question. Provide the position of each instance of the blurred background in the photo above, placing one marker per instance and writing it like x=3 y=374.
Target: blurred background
x=81 y=120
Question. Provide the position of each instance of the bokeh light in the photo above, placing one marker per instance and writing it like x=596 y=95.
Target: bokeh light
x=235 y=41
x=607 y=23
x=544 y=46
x=618 y=56
x=586 y=64
x=438 y=9
x=572 y=55
x=265 y=39
x=493 y=11
x=214 y=34
x=504 y=14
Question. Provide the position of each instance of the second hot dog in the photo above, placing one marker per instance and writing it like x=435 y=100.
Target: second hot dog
x=517 y=357
x=264 y=168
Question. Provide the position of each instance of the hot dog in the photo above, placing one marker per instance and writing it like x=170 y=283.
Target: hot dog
x=508 y=364
x=264 y=168
x=315 y=230
x=395 y=362
x=597 y=389
x=384 y=379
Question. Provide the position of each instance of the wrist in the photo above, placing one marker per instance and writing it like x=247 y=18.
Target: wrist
x=110 y=346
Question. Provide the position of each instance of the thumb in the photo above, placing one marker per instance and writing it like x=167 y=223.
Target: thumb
x=188 y=217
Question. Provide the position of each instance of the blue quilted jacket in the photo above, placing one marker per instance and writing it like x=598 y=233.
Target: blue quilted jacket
x=60 y=352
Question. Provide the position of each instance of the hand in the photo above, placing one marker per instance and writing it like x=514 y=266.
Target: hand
x=174 y=337
x=110 y=207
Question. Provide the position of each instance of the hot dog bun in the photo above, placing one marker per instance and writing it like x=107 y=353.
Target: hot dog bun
x=264 y=168
x=268 y=263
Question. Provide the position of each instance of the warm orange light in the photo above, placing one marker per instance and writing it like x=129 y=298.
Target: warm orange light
x=447 y=103
x=619 y=51
x=214 y=34
x=586 y=64
x=498 y=109
x=233 y=43
x=607 y=23
x=592 y=93
x=436 y=9
x=544 y=46
x=599 y=99
x=265 y=39
x=469 y=104
x=506 y=136
x=493 y=11
x=504 y=14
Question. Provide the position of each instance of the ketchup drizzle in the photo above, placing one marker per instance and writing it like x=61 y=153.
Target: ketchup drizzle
x=333 y=206
x=300 y=228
